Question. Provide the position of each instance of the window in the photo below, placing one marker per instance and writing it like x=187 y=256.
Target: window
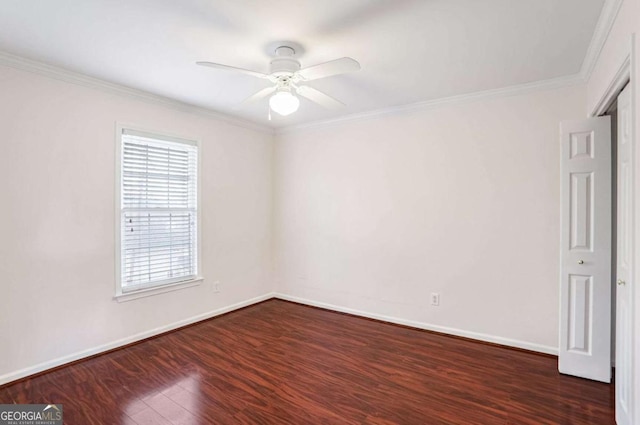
x=158 y=223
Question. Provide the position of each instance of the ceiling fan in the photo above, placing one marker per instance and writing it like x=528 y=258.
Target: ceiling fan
x=289 y=79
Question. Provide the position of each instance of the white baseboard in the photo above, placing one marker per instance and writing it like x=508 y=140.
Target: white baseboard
x=426 y=326
x=13 y=376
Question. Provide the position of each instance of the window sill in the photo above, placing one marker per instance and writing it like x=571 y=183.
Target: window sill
x=142 y=293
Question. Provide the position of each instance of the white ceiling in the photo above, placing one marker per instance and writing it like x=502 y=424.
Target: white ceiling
x=410 y=50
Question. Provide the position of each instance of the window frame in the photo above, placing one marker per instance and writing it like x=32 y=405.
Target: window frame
x=147 y=290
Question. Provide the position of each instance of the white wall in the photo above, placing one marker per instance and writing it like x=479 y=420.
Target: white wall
x=462 y=200
x=57 y=219
x=371 y=215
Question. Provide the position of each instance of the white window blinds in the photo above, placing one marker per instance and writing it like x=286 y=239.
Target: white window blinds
x=158 y=210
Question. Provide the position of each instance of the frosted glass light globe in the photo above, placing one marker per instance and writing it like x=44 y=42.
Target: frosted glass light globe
x=284 y=103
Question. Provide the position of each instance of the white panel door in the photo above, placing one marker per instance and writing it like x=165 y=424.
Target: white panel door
x=624 y=261
x=585 y=286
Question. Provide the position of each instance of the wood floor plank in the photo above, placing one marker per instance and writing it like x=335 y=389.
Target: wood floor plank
x=282 y=363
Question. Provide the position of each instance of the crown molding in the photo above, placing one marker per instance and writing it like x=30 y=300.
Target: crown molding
x=29 y=65
x=605 y=23
x=554 y=83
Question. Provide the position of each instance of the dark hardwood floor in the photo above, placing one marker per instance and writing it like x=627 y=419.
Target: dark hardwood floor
x=283 y=363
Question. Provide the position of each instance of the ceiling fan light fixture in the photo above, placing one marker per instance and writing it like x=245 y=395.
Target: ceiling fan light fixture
x=284 y=103
x=285 y=72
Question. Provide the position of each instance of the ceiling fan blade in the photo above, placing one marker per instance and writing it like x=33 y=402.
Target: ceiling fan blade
x=328 y=69
x=256 y=96
x=318 y=97
x=233 y=68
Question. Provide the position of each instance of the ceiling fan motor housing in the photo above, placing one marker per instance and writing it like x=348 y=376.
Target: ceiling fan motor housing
x=284 y=66
x=284 y=63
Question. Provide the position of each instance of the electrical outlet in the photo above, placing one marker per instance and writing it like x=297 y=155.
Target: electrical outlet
x=216 y=286
x=435 y=299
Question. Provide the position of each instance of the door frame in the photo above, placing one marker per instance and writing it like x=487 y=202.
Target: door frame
x=628 y=74
x=619 y=81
